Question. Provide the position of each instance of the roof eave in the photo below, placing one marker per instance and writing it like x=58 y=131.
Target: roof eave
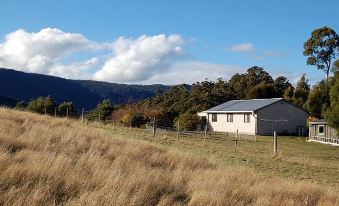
x=225 y=112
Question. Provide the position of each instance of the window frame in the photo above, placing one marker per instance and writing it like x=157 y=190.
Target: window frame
x=229 y=117
x=214 y=117
x=247 y=118
x=323 y=128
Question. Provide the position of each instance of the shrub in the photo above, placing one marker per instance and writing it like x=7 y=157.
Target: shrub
x=42 y=105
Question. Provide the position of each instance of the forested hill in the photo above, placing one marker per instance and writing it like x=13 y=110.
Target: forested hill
x=8 y=101
x=87 y=94
x=122 y=93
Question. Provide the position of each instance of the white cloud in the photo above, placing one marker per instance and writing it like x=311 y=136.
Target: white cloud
x=139 y=59
x=77 y=70
x=193 y=71
x=146 y=59
x=43 y=52
x=242 y=47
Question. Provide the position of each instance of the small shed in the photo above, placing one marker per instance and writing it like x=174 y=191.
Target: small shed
x=320 y=131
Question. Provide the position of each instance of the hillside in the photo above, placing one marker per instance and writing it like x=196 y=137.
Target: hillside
x=87 y=94
x=52 y=161
x=8 y=101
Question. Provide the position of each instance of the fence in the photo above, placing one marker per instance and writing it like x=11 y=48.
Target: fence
x=57 y=112
x=154 y=127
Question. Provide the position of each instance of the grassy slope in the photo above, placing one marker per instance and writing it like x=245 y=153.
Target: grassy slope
x=297 y=159
x=57 y=161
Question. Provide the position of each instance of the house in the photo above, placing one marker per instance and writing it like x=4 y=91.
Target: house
x=320 y=131
x=257 y=116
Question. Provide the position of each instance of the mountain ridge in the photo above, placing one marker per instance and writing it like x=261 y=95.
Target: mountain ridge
x=84 y=93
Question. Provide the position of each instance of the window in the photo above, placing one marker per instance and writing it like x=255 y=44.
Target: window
x=247 y=118
x=229 y=117
x=214 y=118
x=321 y=129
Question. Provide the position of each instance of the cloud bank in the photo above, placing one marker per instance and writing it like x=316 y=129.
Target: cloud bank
x=138 y=59
x=145 y=59
x=43 y=52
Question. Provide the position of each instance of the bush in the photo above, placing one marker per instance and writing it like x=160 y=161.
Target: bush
x=20 y=105
x=188 y=121
x=41 y=105
x=134 y=120
x=67 y=108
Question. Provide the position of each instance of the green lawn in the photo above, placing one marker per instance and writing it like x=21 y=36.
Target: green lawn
x=296 y=159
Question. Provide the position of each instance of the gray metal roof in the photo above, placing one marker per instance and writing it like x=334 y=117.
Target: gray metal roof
x=249 y=105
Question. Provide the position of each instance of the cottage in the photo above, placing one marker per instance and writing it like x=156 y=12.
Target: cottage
x=320 y=131
x=257 y=116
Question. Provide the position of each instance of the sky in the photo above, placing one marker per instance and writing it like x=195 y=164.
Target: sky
x=161 y=41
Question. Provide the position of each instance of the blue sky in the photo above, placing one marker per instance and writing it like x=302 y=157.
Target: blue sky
x=161 y=41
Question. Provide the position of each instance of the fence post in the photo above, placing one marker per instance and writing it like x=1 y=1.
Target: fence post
x=45 y=111
x=130 y=125
x=55 y=111
x=205 y=133
x=275 y=143
x=178 y=129
x=99 y=117
x=67 y=112
x=113 y=119
x=82 y=115
x=236 y=141
x=153 y=126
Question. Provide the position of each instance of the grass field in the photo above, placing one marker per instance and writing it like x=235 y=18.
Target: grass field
x=50 y=161
x=297 y=159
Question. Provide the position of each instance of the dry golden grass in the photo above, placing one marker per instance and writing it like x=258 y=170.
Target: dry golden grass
x=48 y=161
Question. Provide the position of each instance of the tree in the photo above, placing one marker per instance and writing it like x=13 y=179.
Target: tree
x=257 y=75
x=321 y=48
x=67 y=109
x=242 y=83
x=288 y=94
x=238 y=84
x=42 y=105
x=280 y=85
x=188 y=121
x=301 y=92
x=332 y=114
x=261 y=91
x=335 y=67
x=104 y=109
x=318 y=100
x=20 y=105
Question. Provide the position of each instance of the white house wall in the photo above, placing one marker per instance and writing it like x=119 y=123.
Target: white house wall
x=238 y=123
x=278 y=111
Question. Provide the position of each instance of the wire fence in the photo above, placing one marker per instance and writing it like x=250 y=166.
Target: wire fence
x=153 y=126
